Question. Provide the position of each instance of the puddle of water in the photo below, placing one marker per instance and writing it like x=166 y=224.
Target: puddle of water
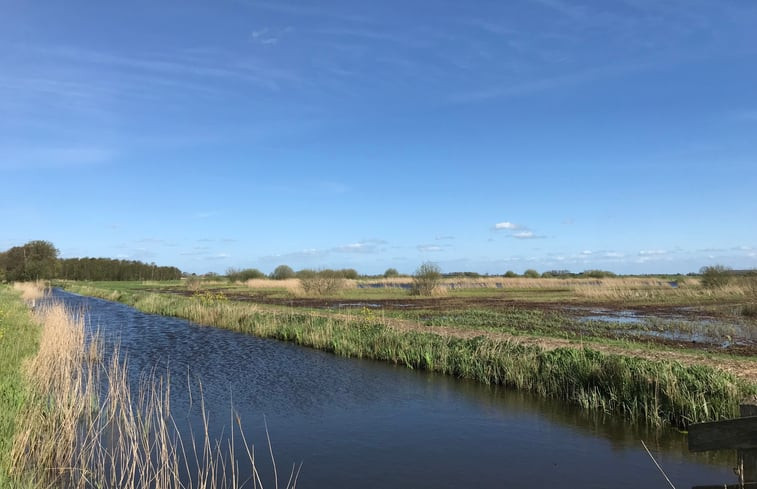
x=353 y=305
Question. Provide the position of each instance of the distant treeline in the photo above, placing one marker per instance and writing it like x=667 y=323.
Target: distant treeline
x=38 y=260
x=109 y=269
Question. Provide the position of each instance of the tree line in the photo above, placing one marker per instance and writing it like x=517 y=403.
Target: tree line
x=38 y=260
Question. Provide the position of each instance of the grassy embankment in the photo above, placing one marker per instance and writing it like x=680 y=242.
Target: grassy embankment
x=658 y=391
x=19 y=336
x=75 y=422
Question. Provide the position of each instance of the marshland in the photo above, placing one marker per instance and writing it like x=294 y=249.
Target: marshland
x=111 y=381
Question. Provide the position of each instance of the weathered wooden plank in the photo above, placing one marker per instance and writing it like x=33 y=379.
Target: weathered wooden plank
x=747 y=485
x=748 y=407
x=722 y=435
x=748 y=460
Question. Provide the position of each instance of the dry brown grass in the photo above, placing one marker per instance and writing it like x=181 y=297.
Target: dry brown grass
x=291 y=285
x=76 y=434
x=31 y=291
x=296 y=287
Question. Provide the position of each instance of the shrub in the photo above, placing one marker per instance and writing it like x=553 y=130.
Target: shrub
x=426 y=279
x=283 y=272
x=349 y=273
x=306 y=273
x=236 y=275
x=598 y=274
x=194 y=283
x=323 y=282
x=391 y=273
x=531 y=273
x=715 y=276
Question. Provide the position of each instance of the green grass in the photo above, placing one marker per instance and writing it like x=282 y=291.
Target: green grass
x=19 y=336
x=659 y=392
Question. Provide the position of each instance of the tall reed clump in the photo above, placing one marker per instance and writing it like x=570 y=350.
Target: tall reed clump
x=31 y=291
x=83 y=426
x=660 y=392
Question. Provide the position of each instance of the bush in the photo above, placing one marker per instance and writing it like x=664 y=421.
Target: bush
x=283 y=272
x=427 y=279
x=323 y=282
x=349 y=273
x=306 y=273
x=598 y=274
x=236 y=275
x=715 y=276
x=531 y=273
x=391 y=273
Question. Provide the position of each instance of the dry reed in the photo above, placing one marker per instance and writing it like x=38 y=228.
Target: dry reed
x=83 y=427
x=31 y=291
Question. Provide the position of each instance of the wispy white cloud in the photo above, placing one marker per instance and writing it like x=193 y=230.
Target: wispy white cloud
x=507 y=225
x=308 y=255
x=526 y=235
x=652 y=252
x=613 y=254
x=270 y=36
x=428 y=248
x=54 y=157
x=367 y=247
x=301 y=10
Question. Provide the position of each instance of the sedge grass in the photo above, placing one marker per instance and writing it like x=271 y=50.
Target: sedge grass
x=659 y=392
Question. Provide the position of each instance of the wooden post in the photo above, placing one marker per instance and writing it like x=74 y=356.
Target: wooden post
x=739 y=433
x=748 y=456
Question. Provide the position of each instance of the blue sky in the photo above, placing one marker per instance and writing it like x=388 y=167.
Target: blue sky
x=485 y=136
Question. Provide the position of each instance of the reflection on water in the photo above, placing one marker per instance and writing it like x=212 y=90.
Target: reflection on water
x=360 y=423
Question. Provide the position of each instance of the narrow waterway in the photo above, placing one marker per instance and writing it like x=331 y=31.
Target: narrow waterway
x=360 y=423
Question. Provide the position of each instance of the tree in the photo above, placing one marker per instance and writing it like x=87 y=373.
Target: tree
x=391 y=273
x=598 y=274
x=36 y=260
x=510 y=274
x=322 y=282
x=715 y=276
x=349 y=273
x=236 y=275
x=531 y=273
x=282 y=272
x=427 y=279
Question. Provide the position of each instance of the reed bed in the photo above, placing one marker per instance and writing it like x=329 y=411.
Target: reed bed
x=83 y=426
x=291 y=285
x=635 y=289
x=31 y=291
x=662 y=292
x=662 y=392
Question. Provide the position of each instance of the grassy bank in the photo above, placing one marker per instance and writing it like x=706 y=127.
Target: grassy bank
x=19 y=336
x=659 y=392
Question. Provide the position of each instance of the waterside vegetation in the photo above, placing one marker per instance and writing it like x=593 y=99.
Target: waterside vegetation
x=76 y=421
x=660 y=392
